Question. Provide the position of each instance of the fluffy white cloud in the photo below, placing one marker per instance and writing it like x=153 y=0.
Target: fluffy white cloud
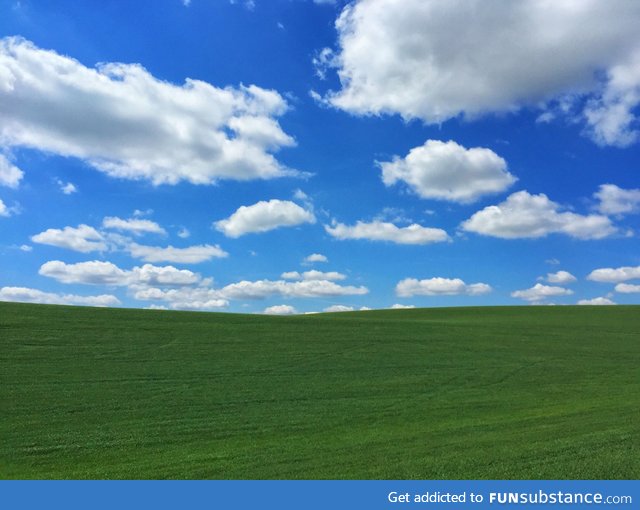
x=610 y=116
x=615 y=200
x=339 y=308
x=596 y=301
x=125 y=122
x=184 y=298
x=264 y=216
x=627 y=288
x=4 y=210
x=68 y=188
x=97 y=272
x=381 y=231
x=435 y=60
x=539 y=292
x=84 y=238
x=280 y=310
x=10 y=175
x=399 y=306
x=561 y=277
x=134 y=225
x=313 y=275
x=439 y=287
x=448 y=171
x=315 y=257
x=524 y=215
x=189 y=255
x=304 y=289
x=27 y=295
x=610 y=275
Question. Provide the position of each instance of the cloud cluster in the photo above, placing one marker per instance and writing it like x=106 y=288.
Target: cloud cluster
x=190 y=255
x=439 y=287
x=614 y=200
x=596 y=301
x=611 y=275
x=523 y=215
x=125 y=122
x=10 y=175
x=560 y=277
x=98 y=272
x=313 y=275
x=135 y=226
x=436 y=60
x=280 y=310
x=300 y=289
x=83 y=238
x=264 y=216
x=449 y=171
x=382 y=231
x=27 y=295
x=540 y=292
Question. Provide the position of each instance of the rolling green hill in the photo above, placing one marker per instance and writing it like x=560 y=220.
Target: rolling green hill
x=512 y=392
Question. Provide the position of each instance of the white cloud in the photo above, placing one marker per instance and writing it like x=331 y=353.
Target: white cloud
x=610 y=116
x=618 y=201
x=27 y=295
x=84 y=239
x=184 y=298
x=280 y=310
x=436 y=60
x=26 y=247
x=596 y=301
x=524 y=215
x=561 y=277
x=4 y=210
x=540 y=292
x=439 y=287
x=339 y=308
x=134 y=225
x=627 y=288
x=98 y=272
x=125 y=122
x=304 y=289
x=381 y=231
x=610 y=275
x=448 y=171
x=313 y=275
x=189 y=255
x=399 y=306
x=67 y=188
x=184 y=233
x=315 y=257
x=264 y=216
x=10 y=175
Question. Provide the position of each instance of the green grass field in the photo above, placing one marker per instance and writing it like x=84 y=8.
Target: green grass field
x=512 y=392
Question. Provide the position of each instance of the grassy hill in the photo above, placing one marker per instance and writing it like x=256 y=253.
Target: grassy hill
x=512 y=392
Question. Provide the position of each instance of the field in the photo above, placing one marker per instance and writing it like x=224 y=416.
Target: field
x=498 y=393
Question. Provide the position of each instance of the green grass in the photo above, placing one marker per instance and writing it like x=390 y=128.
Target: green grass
x=498 y=393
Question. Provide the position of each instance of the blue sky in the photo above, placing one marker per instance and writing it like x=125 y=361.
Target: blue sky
x=292 y=156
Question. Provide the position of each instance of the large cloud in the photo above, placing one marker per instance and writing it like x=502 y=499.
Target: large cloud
x=524 y=215
x=123 y=121
x=264 y=216
x=189 y=255
x=434 y=60
x=136 y=226
x=448 y=171
x=615 y=200
x=302 y=289
x=540 y=292
x=439 y=287
x=27 y=295
x=83 y=238
x=611 y=275
x=383 y=231
x=10 y=175
x=97 y=272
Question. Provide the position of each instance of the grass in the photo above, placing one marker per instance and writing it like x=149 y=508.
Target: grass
x=466 y=393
